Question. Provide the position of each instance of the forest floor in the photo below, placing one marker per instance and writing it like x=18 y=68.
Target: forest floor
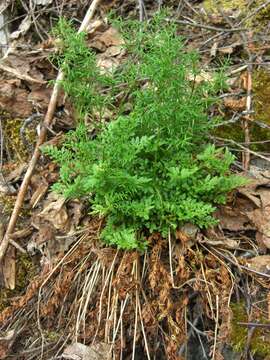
x=201 y=295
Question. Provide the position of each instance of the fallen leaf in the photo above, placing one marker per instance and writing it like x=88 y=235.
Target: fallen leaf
x=233 y=219
x=40 y=97
x=260 y=263
x=78 y=351
x=97 y=45
x=46 y=234
x=55 y=211
x=107 y=64
x=111 y=37
x=11 y=94
x=113 y=51
x=94 y=26
x=250 y=210
x=259 y=194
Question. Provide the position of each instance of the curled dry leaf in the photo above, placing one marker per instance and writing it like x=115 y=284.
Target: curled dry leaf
x=20 y=234
x=55 y=212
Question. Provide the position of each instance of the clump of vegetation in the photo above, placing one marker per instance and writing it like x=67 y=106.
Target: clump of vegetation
x=150 y=170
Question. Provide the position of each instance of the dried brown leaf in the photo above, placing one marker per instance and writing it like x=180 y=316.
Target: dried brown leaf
x=78 y=351
x=11 y=94
x=260 y=263
x=55 y=212
x=111 y=37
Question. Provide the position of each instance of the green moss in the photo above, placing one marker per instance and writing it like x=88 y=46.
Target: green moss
x=6 y=204
x=260 y=343
x=261 y=95
x=25 y=271
x=230 y=131
x=215 y=5
x=260 y=20
x=14 y=144
x=245 y=7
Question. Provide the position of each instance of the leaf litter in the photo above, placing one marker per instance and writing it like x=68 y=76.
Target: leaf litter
x=90 y=302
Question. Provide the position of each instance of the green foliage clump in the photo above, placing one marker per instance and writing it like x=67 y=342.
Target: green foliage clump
x=150 y=170
x=82 y=77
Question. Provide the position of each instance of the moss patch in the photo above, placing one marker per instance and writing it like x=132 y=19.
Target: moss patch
x=260 y=342
x=261 y=89
x=256 y=22
x=261 y=99
x=15 y=147
x=227 y=5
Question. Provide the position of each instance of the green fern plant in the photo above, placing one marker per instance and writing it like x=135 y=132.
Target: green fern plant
x=153 y=169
